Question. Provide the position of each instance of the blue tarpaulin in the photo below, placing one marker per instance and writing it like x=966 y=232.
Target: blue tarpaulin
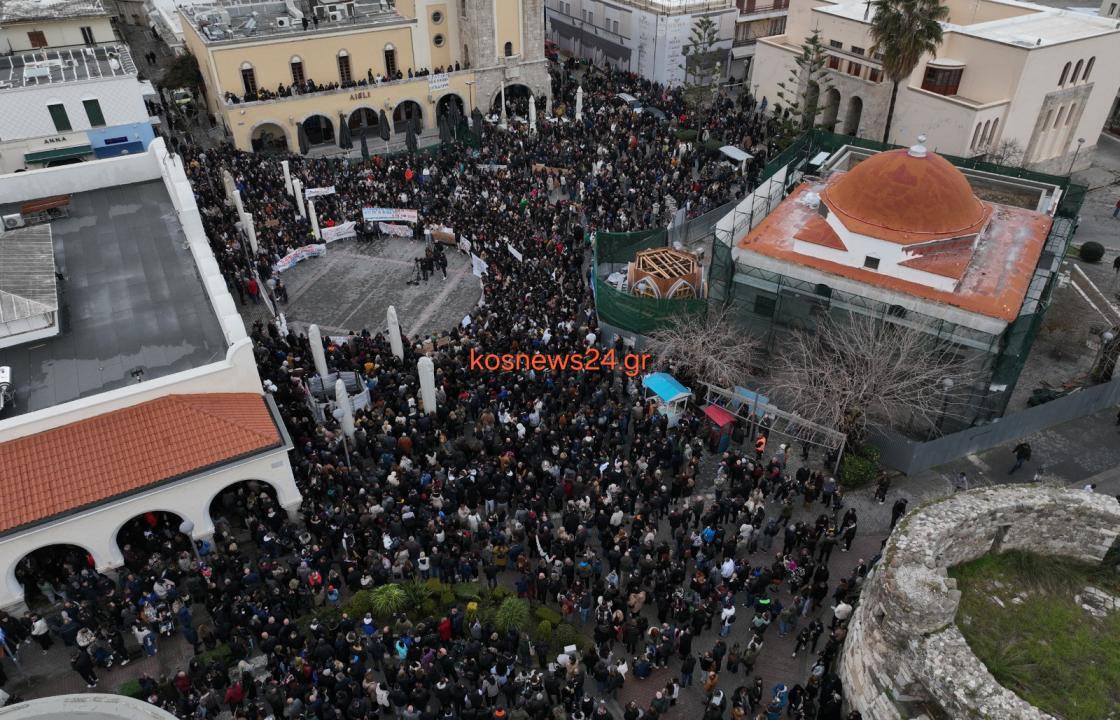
x=665 y=386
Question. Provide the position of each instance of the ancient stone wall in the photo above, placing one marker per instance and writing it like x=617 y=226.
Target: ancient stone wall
x=904 y=657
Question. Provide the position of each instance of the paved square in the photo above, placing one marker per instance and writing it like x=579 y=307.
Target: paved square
x=351 y=286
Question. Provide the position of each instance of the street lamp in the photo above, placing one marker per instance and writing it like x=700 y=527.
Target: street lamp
x=946 y=386
x=1080 y=142
x=470 y=94
x=187 y=527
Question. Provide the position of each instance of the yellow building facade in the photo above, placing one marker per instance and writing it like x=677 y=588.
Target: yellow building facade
x=271 y=67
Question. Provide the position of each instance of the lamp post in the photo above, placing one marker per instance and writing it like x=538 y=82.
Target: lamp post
x=946 y=386
x=470 y=95
x=187 y=527
x=1080 y=142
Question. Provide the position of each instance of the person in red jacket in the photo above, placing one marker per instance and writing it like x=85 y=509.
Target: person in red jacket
x=445 y=629
x=234 y=696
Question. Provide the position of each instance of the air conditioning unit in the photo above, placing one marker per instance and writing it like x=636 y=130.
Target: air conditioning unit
x=13 y=221
x=336 y=16
x=283 y=22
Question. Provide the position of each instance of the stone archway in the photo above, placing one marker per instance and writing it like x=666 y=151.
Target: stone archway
x=151 y=533
x=269 y=138
x=44 y=571
x=362 y=116
x=445 y=103
x=517 y=101
x=319 y=130
x=239 y=503
x=830 y=109
x=853 y=116
x=404 y=113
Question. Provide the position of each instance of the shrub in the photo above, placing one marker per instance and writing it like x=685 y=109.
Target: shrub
x=512 y=614
x=1091 y=252
x=418 y=592
x=388 y=600
x=567 y=634
x=360 y=604
x=712 y=147
x=860 y=467
x=131 y=688
x=220 y=655
x=546 y=613
x=686 y=135
x=468 y=591
x=544 y=630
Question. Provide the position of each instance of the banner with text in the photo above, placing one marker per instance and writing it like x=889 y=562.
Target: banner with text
x=478 y=266
x=438 y=82
x=372 y=214
x=341 y=231
x=513 y=251
x=395 y=230
x=307 y=251
x=318 y=192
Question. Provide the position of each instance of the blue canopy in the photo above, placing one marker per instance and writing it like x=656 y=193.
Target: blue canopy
x=665 y=386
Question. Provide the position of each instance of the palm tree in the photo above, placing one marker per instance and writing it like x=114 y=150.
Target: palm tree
x=903 y=31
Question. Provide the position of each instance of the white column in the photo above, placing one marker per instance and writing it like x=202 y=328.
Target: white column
x=342 y=399
x=237 y=203
x=250 y=230
x=314 y=218
x=395 y=341
x=532 y=114
x=297 y=187
x=317 y=352
x=427 y=370
x=502 y=122
x=228 y=184
x=287 y=176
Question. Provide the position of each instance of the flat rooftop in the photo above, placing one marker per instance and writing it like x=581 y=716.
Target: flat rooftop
x=239 y=20
x=52 y=67
x=14 y=11
x=994 y=280
x=131 y=298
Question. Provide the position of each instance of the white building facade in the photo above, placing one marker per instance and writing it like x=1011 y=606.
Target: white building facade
x=757 y=19
x=643 y=37
x=1021 y=79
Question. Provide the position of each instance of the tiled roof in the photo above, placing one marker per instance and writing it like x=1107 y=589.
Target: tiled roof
x=818 y=232
x=93 y=460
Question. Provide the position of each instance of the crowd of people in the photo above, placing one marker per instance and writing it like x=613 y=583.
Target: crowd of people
x=308 y=85
x=564 y=487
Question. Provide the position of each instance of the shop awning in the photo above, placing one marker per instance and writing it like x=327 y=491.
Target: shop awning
x=719 y=416
x=735 y=153
x=58 y=154
x=665 y=387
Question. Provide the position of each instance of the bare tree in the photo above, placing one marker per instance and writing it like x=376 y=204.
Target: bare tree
x=856 y=373
x=1008 y=153
x=709 y=346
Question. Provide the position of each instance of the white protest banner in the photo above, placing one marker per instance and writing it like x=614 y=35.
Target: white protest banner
x=464 y=245
x=438 y=82
x=395 y=230
x=307 y=251
x=513 y=251
x=478 y=266
x=372 y=214
x=317 y=192
x=341 y=339
x=341 y=231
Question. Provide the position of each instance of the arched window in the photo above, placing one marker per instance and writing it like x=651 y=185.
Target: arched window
x=344 y=67
x=509 y=49
x=1049 y=117
x=1089 y=69
x=992 y=136
x=1065 y=74
x=1076 y=73
x=984 y=136
x=296 y=64
x=1058 y=119
x=249 y=80
x=976 y=136
x=390 y=60
x=1069 y=115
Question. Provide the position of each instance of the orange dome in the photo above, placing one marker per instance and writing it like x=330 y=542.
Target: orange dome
x=906 y=197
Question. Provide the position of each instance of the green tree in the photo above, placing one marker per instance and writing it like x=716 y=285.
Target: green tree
x=183 y=73
x=808 y=81
x=703 y=62
x=903 y=31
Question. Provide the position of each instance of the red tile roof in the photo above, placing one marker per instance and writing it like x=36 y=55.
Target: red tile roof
x=89 y=461
x=818 y=232
x=950 y=265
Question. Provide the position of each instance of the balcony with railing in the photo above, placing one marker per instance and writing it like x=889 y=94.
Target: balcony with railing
x=293 y=92
x=748 y=33
x=758 y=7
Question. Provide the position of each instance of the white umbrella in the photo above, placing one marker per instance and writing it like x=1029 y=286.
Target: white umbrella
x=532 y=114
x=316 y=340
x=426 y=369
x=579 y=103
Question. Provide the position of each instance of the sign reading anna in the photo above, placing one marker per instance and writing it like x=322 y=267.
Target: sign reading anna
x=372 y=214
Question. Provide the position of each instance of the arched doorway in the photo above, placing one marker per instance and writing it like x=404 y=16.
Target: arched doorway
x=830 y=109
x=237 y=506
x=852 y=118
x=319 y=130
x=363 y=116
x=150 y=537
x=517 y=101
x=45 y=573
x=408 y=111
x=269 y=138
x=443 y=107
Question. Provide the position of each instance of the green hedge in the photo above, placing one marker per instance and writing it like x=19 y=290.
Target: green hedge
x=859 y=467
x=131 y=688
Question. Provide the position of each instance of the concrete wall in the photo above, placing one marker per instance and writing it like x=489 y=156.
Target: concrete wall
x=904 y=656
x=59 y=33
x=86 y=706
